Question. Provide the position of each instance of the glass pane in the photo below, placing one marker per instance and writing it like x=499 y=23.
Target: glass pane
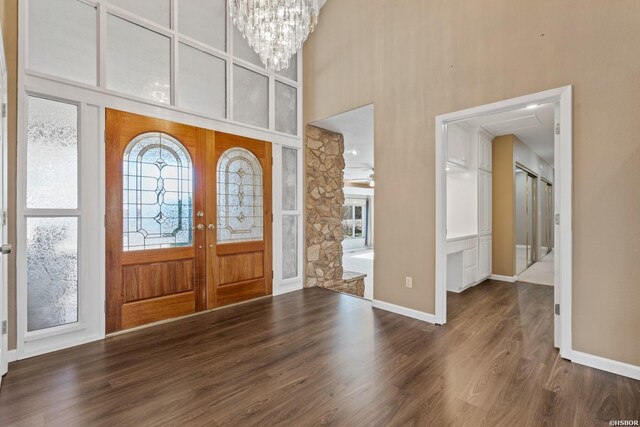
x=358 y=212
x=347 y=212
x=292 y=72
x=202 y=82
x=251 y=97
x=63 y=39
x=52 y=272
x=240 y=196
x=289 y=179
x=289 y=246
x=286 y=109
x=358 y=228
x=157 y=193
x=242 y=50
x=205 y=21
x=158 y=11
x=52 y=155
x=347 y=227
x=138 y=61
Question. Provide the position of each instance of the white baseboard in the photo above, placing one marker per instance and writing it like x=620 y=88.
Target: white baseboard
x=404 y=311
x=12 y=355
x=613 y=366
x=510 y=279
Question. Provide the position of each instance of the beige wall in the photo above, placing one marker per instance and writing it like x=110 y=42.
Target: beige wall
x=416 y=59
x=9 y=21
x=504 y=227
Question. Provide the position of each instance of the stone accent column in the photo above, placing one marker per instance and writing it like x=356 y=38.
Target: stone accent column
x=324 y=169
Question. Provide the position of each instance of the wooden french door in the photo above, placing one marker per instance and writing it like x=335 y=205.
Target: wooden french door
x=240 y=259
x=165 y=256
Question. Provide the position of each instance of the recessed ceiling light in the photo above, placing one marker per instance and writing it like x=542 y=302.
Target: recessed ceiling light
x=354 y=152
x=447 y=168
x=532 y=106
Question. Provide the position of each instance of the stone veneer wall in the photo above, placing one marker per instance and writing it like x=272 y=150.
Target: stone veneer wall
x=324 y=170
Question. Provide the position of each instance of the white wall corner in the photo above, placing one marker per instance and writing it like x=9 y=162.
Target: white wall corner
x=404 y=311
x=613 y=366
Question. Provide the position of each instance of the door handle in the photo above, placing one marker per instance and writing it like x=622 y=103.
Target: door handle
x=199 y=227
x=212 y=227
x=6 y=249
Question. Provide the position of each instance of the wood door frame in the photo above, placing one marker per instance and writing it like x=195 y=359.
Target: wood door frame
x=114 y=255
x=562 y=96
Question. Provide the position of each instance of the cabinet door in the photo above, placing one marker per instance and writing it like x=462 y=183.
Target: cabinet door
x=484 y=152
x=457 y=146
x=484 y=258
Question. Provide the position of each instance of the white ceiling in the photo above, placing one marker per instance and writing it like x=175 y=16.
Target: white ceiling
x=533 y=126
x=357 y=128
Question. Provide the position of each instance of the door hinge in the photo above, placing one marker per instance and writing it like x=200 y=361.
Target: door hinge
x=4 y=110
x=557 y=309
x=4 y=218
x=4 y=327
x=558 y=129
x=557 y=219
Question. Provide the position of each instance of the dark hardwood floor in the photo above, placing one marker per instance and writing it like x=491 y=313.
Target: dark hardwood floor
x=317 y=357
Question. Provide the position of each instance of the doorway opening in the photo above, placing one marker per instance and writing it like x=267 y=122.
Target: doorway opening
x=503 y=181
x=356 y=216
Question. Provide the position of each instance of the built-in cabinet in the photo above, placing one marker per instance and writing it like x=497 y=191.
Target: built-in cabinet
x=469 y=243
x=458 y=146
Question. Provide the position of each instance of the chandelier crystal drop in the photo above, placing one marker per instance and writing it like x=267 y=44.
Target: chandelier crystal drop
x=275 y=29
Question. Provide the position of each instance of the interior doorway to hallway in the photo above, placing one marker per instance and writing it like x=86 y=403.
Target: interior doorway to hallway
x=356 y=216
x=489 y=182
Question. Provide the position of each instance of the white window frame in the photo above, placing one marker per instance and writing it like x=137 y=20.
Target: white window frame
x=92 y=244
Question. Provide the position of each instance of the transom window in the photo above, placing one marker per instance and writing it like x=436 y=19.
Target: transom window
x=157 y=193
x=240 y=198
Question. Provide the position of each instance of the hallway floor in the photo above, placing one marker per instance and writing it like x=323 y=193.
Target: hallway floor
x=315 y=357
x=540 y=273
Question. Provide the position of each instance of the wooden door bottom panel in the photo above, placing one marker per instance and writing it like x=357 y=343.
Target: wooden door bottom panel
x=242 y=291
x=153 y=310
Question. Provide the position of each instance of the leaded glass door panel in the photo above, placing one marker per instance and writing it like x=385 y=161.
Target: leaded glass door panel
x=156 y=234
x=242 y=196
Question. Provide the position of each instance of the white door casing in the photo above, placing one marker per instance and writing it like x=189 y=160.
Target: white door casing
x=3 y=223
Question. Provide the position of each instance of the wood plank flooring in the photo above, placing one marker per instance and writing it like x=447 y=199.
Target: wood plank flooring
x=315 y=357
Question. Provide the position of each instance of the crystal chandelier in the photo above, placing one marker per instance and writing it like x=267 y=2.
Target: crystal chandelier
x=275 y=29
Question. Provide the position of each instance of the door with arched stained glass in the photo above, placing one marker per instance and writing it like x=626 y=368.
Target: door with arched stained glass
x=244 y=219
x=188 y=221
x=156 y=238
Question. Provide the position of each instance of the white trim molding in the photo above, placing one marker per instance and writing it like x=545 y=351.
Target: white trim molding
x=510 y=279
x=12 y=355
x=404 y=311
x=608 y=365
x=563 y=96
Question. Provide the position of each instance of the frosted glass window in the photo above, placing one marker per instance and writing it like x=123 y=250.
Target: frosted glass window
x=205 y=21
x=292 y=72
x=286 y=109
x=202 y=82
x=240 y=197
x=289 y=246
x=138 y=61
x=52 y=154
x=289 y=178
x=157 y=193
x=52 y=272
x=158 y=11
x=251 y=97
x=242 y=50
x=63 y=39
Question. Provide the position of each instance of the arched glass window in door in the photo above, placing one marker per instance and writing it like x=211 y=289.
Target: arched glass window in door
x=157 y=193
x=240 y=197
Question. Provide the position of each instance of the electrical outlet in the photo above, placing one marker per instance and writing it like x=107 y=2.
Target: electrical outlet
x=408 y=282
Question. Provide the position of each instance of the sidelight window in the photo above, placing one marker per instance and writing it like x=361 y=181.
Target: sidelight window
x=157 y=193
